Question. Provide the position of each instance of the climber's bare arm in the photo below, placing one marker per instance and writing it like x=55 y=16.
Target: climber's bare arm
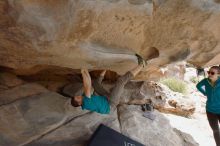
x=87 y=83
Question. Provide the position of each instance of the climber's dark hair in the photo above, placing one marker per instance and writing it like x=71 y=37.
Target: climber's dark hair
x=74 y=102
x=216 y=68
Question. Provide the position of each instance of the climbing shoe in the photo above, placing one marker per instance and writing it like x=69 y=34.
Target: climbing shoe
x=147 y=107
x=141 y=61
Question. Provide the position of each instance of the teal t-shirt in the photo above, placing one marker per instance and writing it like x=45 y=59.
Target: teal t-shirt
x=212 y=93
x=96 y=103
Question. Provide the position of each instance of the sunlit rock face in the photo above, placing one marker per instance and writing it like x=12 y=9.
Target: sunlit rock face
x=106 y=34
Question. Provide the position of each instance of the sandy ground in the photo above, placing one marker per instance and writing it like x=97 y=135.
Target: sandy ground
x=197 y=127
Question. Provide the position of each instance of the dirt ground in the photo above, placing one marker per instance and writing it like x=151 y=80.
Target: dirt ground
x=197 y=127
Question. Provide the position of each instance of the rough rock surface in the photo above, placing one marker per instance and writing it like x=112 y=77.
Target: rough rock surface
x=177 y=70
x=78 y=131
x=9 y=80
x=152 y=133
x=16 y=93
x=106 y=34
x=33 y=117
x=38 y=35
x=42 y=117
x=160 y=96
x=168 y=101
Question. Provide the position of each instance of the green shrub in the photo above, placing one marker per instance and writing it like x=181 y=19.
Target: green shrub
x=176 y=85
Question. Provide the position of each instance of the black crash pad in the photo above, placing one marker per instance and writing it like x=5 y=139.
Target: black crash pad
x=105 y=136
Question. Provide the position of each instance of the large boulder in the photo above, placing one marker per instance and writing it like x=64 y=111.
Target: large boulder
x=160 y=96
x=106 y=34
x=177 y=70
x=29 y=118
x=157 y=132
x=78 y=131
x=165 y=100
x=19 y=92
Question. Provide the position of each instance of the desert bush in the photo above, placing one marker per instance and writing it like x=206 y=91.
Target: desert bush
x=175 y=85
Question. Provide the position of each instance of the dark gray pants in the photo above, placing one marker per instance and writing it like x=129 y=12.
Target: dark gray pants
x=214 y=120
x=117 y=90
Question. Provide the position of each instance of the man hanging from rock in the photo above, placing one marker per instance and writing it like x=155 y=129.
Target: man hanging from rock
x=104 y=101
